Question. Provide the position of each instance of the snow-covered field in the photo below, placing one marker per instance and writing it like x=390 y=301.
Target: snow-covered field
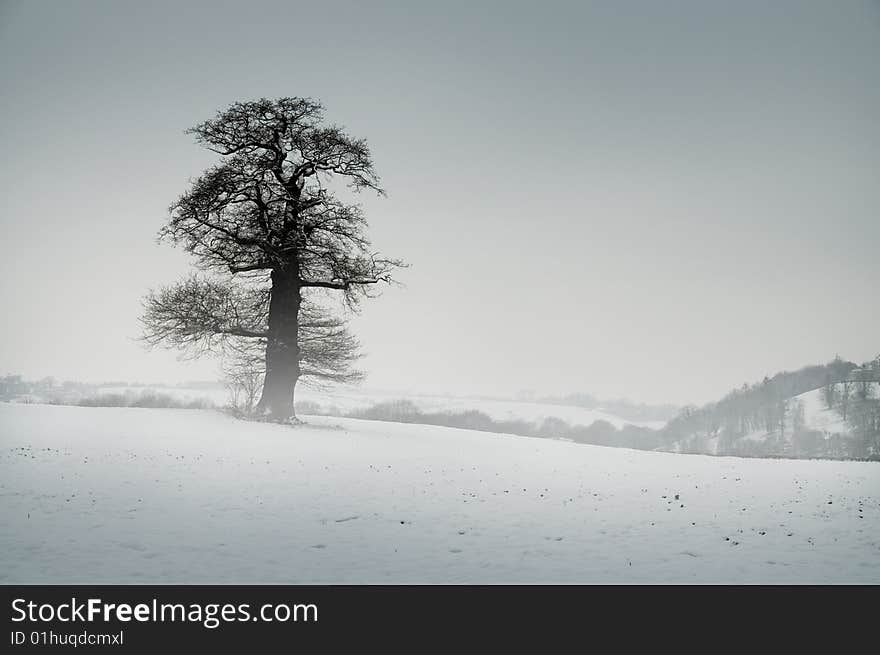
x=145 y=495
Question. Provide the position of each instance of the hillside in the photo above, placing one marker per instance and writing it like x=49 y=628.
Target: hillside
x=149 y=495
x=830 y=411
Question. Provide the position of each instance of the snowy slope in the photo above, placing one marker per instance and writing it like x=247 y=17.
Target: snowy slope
x=142 y=495
x=818 y=417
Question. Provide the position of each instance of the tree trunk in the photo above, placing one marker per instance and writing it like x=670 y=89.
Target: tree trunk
x=282 y=348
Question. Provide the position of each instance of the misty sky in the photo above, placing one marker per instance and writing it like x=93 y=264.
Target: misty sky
x=656 y=200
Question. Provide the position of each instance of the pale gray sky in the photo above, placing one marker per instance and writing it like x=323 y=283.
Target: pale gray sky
x=656 y=200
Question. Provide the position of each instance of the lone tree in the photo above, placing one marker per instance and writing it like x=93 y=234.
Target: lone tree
x=266 y=224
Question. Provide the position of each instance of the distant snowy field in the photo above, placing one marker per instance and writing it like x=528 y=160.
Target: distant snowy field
x=342 y=399
x=146 y=495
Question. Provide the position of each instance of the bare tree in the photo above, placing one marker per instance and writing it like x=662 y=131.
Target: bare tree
x=844 y=398
x=244 y=371
x=267 y=209
x=798 y=416
x=782 y=408
x=829 y=395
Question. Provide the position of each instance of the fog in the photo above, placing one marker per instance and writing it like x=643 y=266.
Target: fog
x=619 y=198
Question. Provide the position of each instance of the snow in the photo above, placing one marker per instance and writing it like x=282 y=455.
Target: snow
x=127 y=495
x=818 y=417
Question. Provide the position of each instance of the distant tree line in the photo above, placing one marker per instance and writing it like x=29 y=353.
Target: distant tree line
x=16 y=387
x=599 y=433
x=50 y=391
x=143 y=399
